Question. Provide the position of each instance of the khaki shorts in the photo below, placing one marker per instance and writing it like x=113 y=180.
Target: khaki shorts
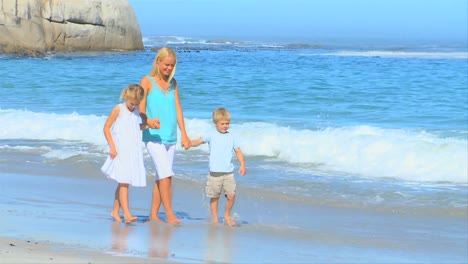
x=220 y=182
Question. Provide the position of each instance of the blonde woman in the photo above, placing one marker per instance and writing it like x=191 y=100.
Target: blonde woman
x=162 y=111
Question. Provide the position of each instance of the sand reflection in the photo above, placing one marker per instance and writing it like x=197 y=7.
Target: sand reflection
x=218 y=244
x=160 y=234
x=120 y=233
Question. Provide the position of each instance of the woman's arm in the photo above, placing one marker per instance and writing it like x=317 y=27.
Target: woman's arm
x=152 y=123
x=185 y=140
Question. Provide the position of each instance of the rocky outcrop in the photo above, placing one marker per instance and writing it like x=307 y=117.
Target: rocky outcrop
x=37 y=26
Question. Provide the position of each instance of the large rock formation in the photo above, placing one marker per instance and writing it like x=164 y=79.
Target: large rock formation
x=37 y=26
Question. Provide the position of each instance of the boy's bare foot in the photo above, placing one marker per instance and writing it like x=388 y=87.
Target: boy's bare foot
x=116 y=216
x=229 y=221
x=172 y=219
x=130 y=219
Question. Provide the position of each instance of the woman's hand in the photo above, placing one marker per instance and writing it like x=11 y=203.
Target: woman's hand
x=186 y=142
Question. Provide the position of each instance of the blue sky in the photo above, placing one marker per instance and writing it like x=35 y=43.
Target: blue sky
x=306 y=20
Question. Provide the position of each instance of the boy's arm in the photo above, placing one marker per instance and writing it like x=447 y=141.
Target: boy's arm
x=240 y=157
x=184 y=138
x=197 y=142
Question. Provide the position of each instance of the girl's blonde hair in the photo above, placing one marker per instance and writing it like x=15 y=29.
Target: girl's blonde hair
x=161 y=55
x=133 y=91
x=221 y=114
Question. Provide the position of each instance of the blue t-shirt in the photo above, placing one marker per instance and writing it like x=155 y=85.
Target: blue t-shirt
x=221 y=146
x=161 y=104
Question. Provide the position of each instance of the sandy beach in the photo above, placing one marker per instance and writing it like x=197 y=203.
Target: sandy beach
x=13 y=250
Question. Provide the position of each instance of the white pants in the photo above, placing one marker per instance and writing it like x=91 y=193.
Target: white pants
x=163 y=158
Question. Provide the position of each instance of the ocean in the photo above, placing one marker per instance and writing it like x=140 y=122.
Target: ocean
x=335 y=129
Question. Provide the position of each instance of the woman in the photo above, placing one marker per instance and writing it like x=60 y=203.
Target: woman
x=162 y=111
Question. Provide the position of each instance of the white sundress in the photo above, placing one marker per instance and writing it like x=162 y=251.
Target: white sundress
x=127 y=166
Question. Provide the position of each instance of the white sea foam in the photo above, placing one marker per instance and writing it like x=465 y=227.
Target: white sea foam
x=24 y=148
x=359 y=150
x=50 y=126
x=402 y=54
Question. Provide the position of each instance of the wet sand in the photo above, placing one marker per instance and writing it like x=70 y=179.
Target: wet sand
x=58 y=219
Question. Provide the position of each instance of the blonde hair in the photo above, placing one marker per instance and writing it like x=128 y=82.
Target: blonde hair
x=133 y=91
x=161 y=55
x=221 y=114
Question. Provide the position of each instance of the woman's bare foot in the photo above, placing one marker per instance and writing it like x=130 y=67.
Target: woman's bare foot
x=130 y=219
x=172 y=219
x=214 y=220
x=116 y=216
x=229 y=221
x=155 y=219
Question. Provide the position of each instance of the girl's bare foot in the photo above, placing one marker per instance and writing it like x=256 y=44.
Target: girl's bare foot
x=214 y=220
x=229 y=221
x=116 y=216
x=172 y=219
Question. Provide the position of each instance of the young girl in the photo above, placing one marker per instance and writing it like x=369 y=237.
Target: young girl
x=125 y=162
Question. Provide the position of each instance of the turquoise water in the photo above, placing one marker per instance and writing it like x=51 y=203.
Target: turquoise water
x=307 y=116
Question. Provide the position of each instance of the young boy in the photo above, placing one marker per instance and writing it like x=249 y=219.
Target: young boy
x=221 y=176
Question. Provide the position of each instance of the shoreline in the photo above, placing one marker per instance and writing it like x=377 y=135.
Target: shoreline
x=16 y=250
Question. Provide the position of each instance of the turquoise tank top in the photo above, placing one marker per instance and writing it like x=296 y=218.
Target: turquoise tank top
x=161 y=104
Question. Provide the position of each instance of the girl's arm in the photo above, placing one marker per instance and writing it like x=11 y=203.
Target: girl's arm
x=107 y=130
x=240 y=157
x=185 y=140
x=144 y=126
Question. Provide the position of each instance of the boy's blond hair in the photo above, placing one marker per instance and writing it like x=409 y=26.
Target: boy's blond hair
x=221 y=114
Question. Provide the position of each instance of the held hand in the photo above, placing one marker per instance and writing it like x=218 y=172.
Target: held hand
x=154 y=123
x=186 y=142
